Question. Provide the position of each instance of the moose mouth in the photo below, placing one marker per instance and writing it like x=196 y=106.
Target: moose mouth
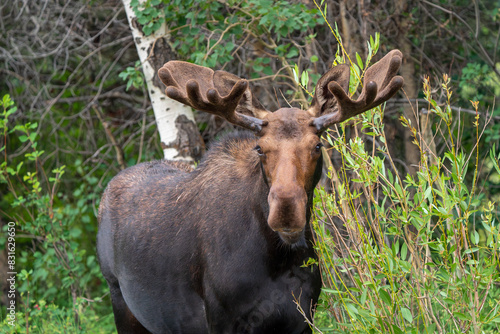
x=287 y=218
x=295 y=238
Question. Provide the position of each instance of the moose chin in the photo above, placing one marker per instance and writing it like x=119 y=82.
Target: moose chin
x=221 y=248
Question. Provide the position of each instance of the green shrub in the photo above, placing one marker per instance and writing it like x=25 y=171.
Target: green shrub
x=40 y=317
x=52 y=243
x=409 y=254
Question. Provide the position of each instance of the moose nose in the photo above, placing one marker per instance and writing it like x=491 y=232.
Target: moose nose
x=287 y=210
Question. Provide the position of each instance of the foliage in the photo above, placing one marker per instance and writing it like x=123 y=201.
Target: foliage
x=212 y=33
x=229 y=24
x=62 y=68
x=56 y=265
x=402 y=253
x=133 y=76
x=478 y=82
x=413 y=254
x=50 y=318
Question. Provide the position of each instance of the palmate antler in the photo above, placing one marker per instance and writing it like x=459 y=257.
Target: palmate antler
x=219 y=93
x=331 y=102
x=228 y=96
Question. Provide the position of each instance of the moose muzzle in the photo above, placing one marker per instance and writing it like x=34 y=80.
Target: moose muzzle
x=287 y=212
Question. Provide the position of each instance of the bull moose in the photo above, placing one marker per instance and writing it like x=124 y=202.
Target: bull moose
x=221 y=249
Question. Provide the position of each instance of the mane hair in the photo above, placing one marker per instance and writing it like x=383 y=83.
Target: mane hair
x=230 y=160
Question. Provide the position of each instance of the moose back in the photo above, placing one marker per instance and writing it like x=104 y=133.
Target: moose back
x=221 y=249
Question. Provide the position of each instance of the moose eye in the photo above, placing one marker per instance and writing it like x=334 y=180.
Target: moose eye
x=259 y=150
x=318 y=147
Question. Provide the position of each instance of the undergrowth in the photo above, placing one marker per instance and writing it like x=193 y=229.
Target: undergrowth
x=406 y=253
x=403 y=253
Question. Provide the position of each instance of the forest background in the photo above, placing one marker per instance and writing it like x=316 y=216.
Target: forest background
x=76 y=111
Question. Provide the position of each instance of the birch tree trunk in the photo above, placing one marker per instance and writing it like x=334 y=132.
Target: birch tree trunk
x=180 y=138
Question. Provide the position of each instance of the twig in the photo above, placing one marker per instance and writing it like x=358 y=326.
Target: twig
x=118 y=149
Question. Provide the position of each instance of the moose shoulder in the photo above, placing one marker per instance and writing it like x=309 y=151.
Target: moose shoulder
x=220 y=249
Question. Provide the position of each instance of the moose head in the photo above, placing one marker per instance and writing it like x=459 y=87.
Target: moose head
x=288 y=139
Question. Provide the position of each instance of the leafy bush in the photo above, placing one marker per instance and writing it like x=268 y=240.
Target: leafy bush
x=52 y=259
x=40 y=317
x=402 y=253
x=229 y=23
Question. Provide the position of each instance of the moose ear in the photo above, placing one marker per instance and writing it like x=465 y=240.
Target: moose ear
x=323 y=100
x=248 y=105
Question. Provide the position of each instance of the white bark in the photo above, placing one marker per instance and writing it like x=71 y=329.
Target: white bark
x=165 y=109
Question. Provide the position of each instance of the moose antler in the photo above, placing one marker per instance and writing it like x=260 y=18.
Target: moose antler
x=380 y=84
x=201 y=88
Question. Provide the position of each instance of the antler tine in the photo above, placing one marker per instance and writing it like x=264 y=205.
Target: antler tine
x=193 y=85
x=380 y=84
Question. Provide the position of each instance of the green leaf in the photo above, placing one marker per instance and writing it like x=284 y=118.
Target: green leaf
x=19 y=166
x=304 y=78
x=10 y=111
x=6 y=100
x=406 y=313
x=359 y=60
x=258 y=67
x=143 y=20
x=147 y=30
x=332 y=291
x=397 y=330
x=386 y=297
x=404 y=251
x=352 y=309
x=90 y=260
x=229 y=46
x=496 y=163
x=474 y=237
x=362 y=300
x=295 y=71
x=462 y=316
x=32 y=136
x=268 y=70
x=292 y=53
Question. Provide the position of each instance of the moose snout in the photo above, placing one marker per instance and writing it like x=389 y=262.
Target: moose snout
x=287 y=212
